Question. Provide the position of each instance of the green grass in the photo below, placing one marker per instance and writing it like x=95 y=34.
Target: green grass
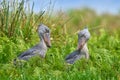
x=18 y=33
x=103 y=64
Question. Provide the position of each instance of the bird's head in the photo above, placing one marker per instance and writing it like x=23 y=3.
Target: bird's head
x=44 y=33
x=83 y=37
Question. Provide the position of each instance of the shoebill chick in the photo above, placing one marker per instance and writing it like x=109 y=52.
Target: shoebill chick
x=40 y=48
x=82 y=49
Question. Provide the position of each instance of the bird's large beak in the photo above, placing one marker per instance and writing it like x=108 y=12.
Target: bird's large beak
x=81 y=43
x=47 y=39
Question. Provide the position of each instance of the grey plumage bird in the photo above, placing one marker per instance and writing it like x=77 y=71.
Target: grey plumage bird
x=82 y=49
x=41 y=48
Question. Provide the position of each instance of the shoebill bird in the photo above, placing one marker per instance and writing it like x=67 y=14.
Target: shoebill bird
x=82 y=49
x=41 y=48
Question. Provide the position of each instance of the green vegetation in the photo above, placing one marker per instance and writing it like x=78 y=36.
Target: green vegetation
x=18 y=33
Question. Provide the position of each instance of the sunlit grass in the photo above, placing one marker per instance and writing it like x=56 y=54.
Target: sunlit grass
x=104 y=61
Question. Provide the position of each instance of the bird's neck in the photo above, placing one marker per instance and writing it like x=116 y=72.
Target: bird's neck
x=83 y=48
x=43 y=44
x=84 y=51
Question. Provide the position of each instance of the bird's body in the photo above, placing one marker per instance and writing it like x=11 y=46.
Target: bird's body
x=41 y=48
x=82 y=50
x=78 y=54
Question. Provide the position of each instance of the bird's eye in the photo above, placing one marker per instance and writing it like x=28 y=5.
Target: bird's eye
x=47 y=31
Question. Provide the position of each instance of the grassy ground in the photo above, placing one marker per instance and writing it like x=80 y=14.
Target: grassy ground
x=103 y=64
x=104 y=46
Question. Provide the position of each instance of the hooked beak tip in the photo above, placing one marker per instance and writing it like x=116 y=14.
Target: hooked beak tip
x=49 y=46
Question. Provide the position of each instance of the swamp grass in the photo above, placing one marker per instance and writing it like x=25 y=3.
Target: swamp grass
x=18 y=33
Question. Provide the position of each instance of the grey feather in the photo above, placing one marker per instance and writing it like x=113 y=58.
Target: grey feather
x=39 y=49
x=79 y=53
x=84 y=33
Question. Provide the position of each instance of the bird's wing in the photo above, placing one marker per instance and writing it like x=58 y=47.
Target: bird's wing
x=72 y=55
x=30 y=51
